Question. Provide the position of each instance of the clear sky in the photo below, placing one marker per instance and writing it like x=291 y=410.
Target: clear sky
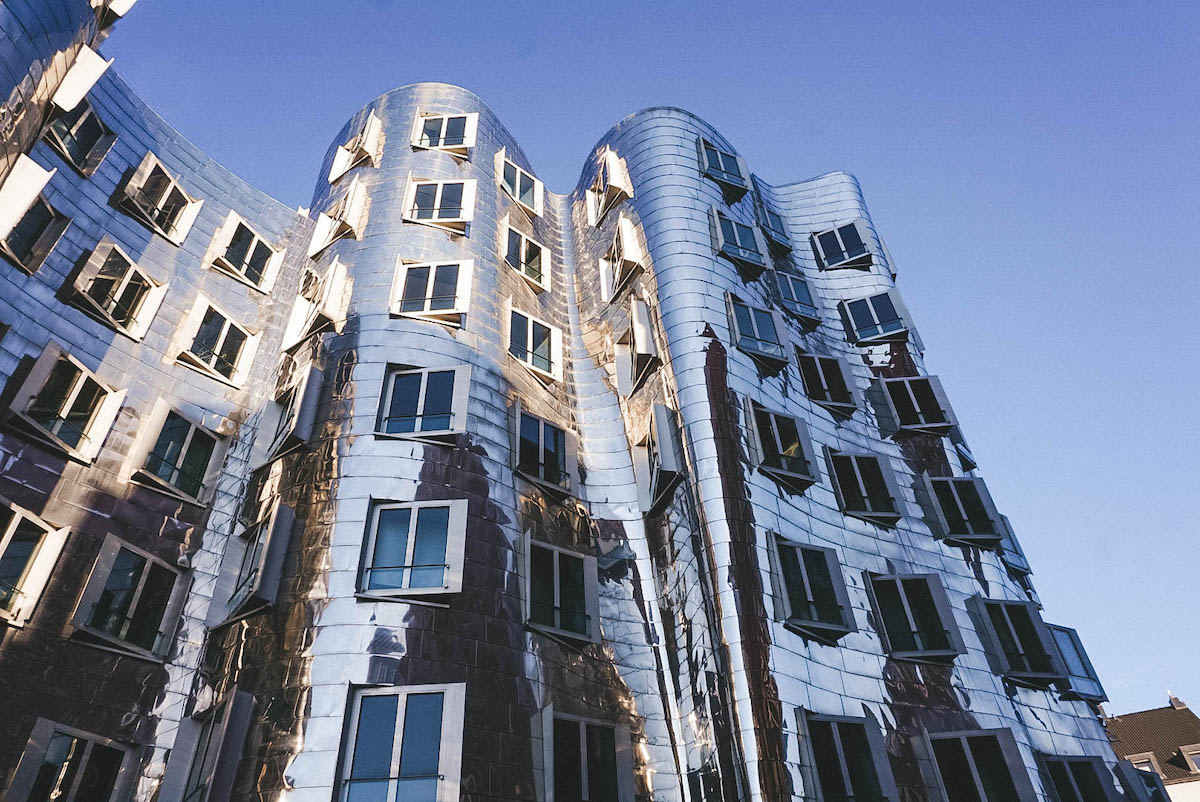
x=1033 y=167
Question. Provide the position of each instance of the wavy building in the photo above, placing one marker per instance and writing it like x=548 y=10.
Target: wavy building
x=453 y=487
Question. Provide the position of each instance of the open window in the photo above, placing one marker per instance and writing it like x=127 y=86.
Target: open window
x=758 y=332
x=781 y=448
x=364 y=148
x=265 y=543
x=131 y=601
x=536 y=344
x=771 y=224
x=636 y=351
x=809 y=591
x=111 y=288
x=215 y=345
x=1081 y=680
x=34 y=236
x=913 y=617
x=451 y=133
x=321 y=305
x=658 y=459
x=865 y=487
x=980 y=766
x=424 y=402
x=527 y=256
x=80 y=137
x=846 y=758
x=347 y=217
x=1077 y=778
x=914 y=404
x=1015 y=562
x=29 y=549
x=217 y=750
x=437 y=291
x=727 y=169
x=297 y=396
x=154 y=197
x=610 y=187
x=520 y=184
x=85 y=70
x=563 y=592
x=404 y=743
x=844 y=246
x=109 y=11
x=963 y=511
x=828 y=382
x=182 y=460
x=18 y=194
x=64 y=764
x=1019 y=647
x=448 y=205
x=877 y=318
x=241 y=252
x=1141 y=784
x=546 y=454
x=623 y=261
x=739 y=243
x=584 y=760
x=796 y=297
x=414 y=548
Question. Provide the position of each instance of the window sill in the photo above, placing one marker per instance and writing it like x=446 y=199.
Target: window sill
x=985 y=542
x=886 y=520
x=224 y=270
x=462 y=152
x=366 y=596
x=773 y=362
x=454 y=227
x=83 y=636
x=545 y=377
x=84 y=304
x=794 y=483
x=183 y=360
x=447 y=437
x=150 y=482
x=840 y=411
x=827 y=634
x=558 y=491
x=133 y=210
x=864 y=262
x=898 y=336
x=565 y=636
x=441 y=316
x=41 y=437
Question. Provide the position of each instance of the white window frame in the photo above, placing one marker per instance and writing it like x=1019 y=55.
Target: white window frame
x=218 y=261
x=346 y=217
x=555 y=373
x=861 y=261
x=570 y=444
x=734 y=185
x=32 y=760
x=609 y=188
x=893 y=424
x=657 y=460
x=454 y=316
x=544 y=731
x=974 y=535
x=191 y=327
x=450 y=751
x=321 y=304
x=774 y=358
x=883 y=518
x=95 y=155
x=1008 y=748
x=1070 y=688
x=150 y=302
x=461 y=151
x=133 y=203
x=876 y=748
x=635 y=352
x=456 y=544
x=903 y=334
x=809 y=314
x=803 y=624
x=625 y=259
x=264 y=545
x=508 y=230
x=1000 y=662
x=539 y=189
x=98 y=579
x=1191 y=754
x=821 y=395
x=226 y=723
x=752 y=262
x=941 y=603
x=793 y=481
x=591 y=591
x=151 y=430
x=364 y=147
x=458 y=404
x=455 y=225
x=36 y=576
x=85 y=70
x=45 y=242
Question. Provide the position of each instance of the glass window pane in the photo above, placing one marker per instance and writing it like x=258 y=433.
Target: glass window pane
x=905 y=409
x=256 y=265
x=927 y=402
x=15 y=560
x=513 y=254
x=540 y=354
x=745 y=322
x=765 y=323
x=601 y=763
x=900 y=636
x=993 y=770
x=529 y=457
x=829 y=767
x=439 y=397
x=793 y=580
x=416 y=283
x=864 y=320
x=932 y=629
x=445 y=287
x=568 y=774
x=451 y=204
x=431 y=132
x=239 y=246
x=429 y=552
x=821 y=586
x=46 y=408
x=885 y=310
x=147 y=618
x=533 y=261
x=830 y=247
x=424 y=200
x=391 y=549
x=977 y=514
x=231 y=350
x=456 y=131
x=878 y=497
x=195 y=463
x=571 y=594
x=851 y=241
x=112 y=607
x=859 y=764
x=554 y=456
x=125 y=308
x=527 y=195
x=163 y=457
x=374 y=736
x=847 y=479
x=402 y=409
x=420 y=748
x=955 y=769
x=836 y=382
x=746 y=238
x=946 y=500
x=204 y=345
x=25 y=234
x=541 y=586
x=728 y=231
x=60 y=765
x=518 y=336
x=99 y=776
x=510 y=178
x=107 y=282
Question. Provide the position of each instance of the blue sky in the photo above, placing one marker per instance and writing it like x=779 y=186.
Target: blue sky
x=1033 y=167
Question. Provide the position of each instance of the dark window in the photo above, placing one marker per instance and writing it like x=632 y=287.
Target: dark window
x=796 y=296
x=861 y=486
x=919 y=404
x=77 y=133
x=430 y=288
x=524 y=255
x=218 y=343
x=420 y=401
x=966 y=512
x=814 y=587
x=247 y=254
x=1022 y=641
x=134 y=601
x=825 y=382
x=119 y=289
x=21 y=242
x=443 y=132
x=181 y=455
x=542 y=451
x=915 y=616
x=783 y=442
x=1077 y=779
x=76 y=769
x=531 y=341
x=974 y=768
x=67 y=403
x=409 y=547
x=585 y=762
x=520 y=184
x=16 y=555
x=1081 y=679
x=738 y=240
x=396 y=755
x=722 y=166
x=874 y=317
x=845 y=760
x=756 y=330
x=841 y=245
x=558 y=596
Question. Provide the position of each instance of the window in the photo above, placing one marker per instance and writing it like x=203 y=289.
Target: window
x=658 y=460
x=1192 y=755
x=80 y=137
x=913 y=617
x=536 y=344
x=980 y=766
x=963 y=510
x=610 y=187
x=404 y=744
x=809 y=591
x=439 y=291
x=877 y=318
x=844 y=246
x=546 y=454
x=728 y=170
x=320 y=306
x=365 y=147
x=915 y=404
x=636 y=351
x=109 y=11
x=63 y=764
x=848 y=758
x=131 y=599
x=1141 y=782
x=241 y=252
x=865 y=487
x=85 y=70
x=739 y=243
x=1078 y=778
x=29 y=548
x=1018 y=645
x=415 y=548
x=521 y=186
x=218 y=748
x=424 y=402
x=758 y=332
x=441 y=204
x=154 y=197
x=115 y=291
x=563 y=591
x=181 y=459
x=770 y=222
x=780 y=447
x=265 y=542
x=452 y=133
x=34 y=236
x=218 y=347
x=21 y=224
x=347 y=217
x=297 y=394
x=64 y=404
x=623 y=261
x=586 y=761
x=828 y=382
x=528 y=257
x=797 y=298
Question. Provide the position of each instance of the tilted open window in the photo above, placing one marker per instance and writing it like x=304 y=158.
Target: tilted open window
x=438 y=291
x=624 y=260
x=448 y=205
x=452 y=133
x=1081 y=680
x=218 y=748
x=780 y=447
x=728 y=170
x=80 y=137
x=527 y=256
x=610 y=186
x=520 y=184
x=414 y=548
x=546 y=454
x=85 y=70
x=636 y=351
x=131 y=600
x=111 y=288
x=563 y=591
x=63 y=764
x=844 y=246
x=29 y=549
x=658 y=459
x=963 y=511
x=865 y=487
x=29 y=226
x=297 y=395
x=536 y=344
x=770 y=222
x=828 y=382
x=424 y=402
x=981 y=766
x=809 y=591
x=182 y=459
x=914 y=404
x=155 y=198
x=241 y=252
x=796 y=297
x=321 y=305
x=846 y=758
x=758 y=332
x=877 y=318
x=739 y=243
x=265 y=543
x=215 y=345
x=20 y=189
x=913 y=617
x=365 y=147
x=1141 y=784
x=347 y=217
x=584 y=760
x=1019 y=647
x=1077 y=778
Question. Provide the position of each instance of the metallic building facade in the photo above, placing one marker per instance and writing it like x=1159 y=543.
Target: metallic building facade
x=688 y=491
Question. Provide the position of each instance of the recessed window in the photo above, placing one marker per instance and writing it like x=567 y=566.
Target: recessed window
x=218 y=748
x=770 y=222
x=217 y=346
x=80 y=137
x=587 y=761
x=241 y=252
x=796 y=297
x=181 y=459
x=265 y=541
x=425 y=402
x=155 y=198
x=63 y=764
x=728 y=170
x=739 y=243
x=34 y=236
x=520 y=185
x=980 y=766
x=536 y=344
x=1019 y=646
x=404 y=744
x=658 y=460
x=781 y=447
x=563 y=591
x=964 y=511
x=441 y=204
x=1079 y=778
x=528 y=257
x=113 y=289
x=759 y=332
x=1192 y=755
x=876 y=318
x=546 y=453
x=843 y=246
x=453 y=133
x=916 y=404
x=347 y=217
x=828 y=382
x=415 y=548
x=865 y=487
x=132 y=599
x=29 y=548
x=913 y=617
x=636 y=351
x=610 y=187
x=320 y=306
x=624 y=260
x=439 y=291
x=848 y=758
x=810 y=592
x=365 y=147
